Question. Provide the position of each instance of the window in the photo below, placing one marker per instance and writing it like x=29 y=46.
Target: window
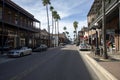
x=0 y=12
x=9 y=15
x=16 y=19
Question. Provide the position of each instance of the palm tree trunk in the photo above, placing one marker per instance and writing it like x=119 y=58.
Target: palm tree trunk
x=48 y=26
x=76 y=34
x=58 y=31
x=55 y=33
x=52 y=26
x=52 y=30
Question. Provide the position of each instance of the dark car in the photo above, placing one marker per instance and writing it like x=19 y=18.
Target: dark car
x=39 y=48
x=5 y=48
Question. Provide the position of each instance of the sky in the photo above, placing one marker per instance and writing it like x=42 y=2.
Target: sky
x=69 y=11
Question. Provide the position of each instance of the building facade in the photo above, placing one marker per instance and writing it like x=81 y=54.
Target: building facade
x=111 y=14
x=17 y=26
x=44 y=36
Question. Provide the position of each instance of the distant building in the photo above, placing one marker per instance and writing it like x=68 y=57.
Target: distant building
x=57 y=39
x=44 y=36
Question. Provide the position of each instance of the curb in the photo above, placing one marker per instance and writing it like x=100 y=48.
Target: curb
x=94 y=64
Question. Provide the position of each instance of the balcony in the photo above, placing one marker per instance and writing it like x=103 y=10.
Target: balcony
x=109 y=4
x=20 y=25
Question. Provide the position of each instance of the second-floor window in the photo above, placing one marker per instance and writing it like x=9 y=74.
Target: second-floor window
x=9 y=15
x=25 y=22
x=16 y=19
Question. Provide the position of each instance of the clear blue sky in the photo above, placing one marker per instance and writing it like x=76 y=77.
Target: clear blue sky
x=69 y=11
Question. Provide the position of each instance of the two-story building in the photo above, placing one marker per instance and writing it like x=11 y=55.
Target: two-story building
x=17 y=26
x=110 y=15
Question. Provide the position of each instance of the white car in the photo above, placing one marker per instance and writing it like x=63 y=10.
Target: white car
x=84 y=46
x=19 y=52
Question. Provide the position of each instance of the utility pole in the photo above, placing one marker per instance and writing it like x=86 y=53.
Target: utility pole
x=104 y=30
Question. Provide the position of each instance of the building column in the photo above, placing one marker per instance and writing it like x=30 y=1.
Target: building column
x=3 y=7
x=105 y=55
x=119 y=30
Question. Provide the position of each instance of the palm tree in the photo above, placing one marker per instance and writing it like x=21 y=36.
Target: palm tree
x=67 y=33
x=46 y=3
x=64 y=28
x=74 y=32
x=57 y=19
x=54 y=13
x=75 y=25
x=51 y=9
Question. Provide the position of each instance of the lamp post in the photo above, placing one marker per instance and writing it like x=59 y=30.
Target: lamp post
x=97 y=50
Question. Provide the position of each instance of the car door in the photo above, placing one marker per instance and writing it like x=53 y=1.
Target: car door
x=24 y=51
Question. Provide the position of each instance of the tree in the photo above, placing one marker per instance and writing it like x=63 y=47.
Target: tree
x=64 y=28
x=57 y=19
x=46 y=3
x=75 y=25
x=54 y=13
x=67 y=33
x=51 y=9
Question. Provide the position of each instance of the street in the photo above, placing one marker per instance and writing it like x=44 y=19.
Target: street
x=54 y=64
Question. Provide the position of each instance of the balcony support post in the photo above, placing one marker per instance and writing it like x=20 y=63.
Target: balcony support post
x=105 y=56
x=119 y=28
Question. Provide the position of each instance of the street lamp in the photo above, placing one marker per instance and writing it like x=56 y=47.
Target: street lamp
x=97 y=50
x=95 y=27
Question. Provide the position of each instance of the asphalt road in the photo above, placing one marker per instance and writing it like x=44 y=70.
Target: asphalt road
x=54 y=64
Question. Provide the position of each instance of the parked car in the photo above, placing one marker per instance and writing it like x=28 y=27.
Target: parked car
x=39 y=48
x=5 y=48
x=84 y=46
x=19 y=52
x=61 y=44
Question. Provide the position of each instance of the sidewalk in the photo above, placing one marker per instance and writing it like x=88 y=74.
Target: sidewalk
x=111 y=66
